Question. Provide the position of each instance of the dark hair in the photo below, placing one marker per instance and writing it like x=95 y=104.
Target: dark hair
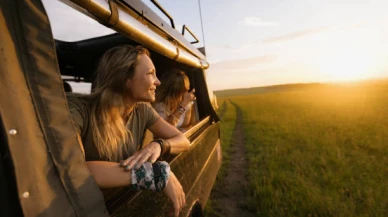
x=172 y=88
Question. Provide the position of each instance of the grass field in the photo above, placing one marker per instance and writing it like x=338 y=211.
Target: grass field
x=228 y=117
x=316 y=150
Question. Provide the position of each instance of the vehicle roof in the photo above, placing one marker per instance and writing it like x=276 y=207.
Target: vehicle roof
x=137 y=21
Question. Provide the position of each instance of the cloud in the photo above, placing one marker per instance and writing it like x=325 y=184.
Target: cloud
x=295 y=35
x=256 y=21
x=238 y=64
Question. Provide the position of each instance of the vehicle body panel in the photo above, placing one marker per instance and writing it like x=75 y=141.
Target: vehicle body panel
x=196 y=171
x=39 y=133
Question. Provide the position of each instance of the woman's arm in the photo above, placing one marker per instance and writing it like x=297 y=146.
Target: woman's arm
x=186 y=121
x=151 y=152
x=109 y=174
x=175 y=192
x=179 y=143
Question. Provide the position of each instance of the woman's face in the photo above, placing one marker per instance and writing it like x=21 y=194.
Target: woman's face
x=186 y=89
x=187 y=85
x=144 y=82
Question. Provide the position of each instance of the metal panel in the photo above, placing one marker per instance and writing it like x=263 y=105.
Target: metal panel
x=154 y=18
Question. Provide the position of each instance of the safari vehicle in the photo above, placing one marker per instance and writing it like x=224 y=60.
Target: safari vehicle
x=42 y=170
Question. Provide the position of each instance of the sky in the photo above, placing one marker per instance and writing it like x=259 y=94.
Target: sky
x=253 y=43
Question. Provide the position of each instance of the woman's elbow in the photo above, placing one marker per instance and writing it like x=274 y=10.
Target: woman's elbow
x=93 y=169
x=186 y=144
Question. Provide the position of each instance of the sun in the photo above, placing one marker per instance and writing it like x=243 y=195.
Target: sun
x=347 y=56
x=346 y=65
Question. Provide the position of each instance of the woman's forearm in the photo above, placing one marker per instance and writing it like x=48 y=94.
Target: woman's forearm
x=179 y=143
x=109 y=174
x=186 y=121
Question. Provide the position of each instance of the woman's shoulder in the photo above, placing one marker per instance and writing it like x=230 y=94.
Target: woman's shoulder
x=159 y=105
x=77 y=101
x=74 y=96
x=141 y=106
x=145 y=109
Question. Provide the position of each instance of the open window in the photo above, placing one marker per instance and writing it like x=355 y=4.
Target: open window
x=78 y=61
x=136 y=25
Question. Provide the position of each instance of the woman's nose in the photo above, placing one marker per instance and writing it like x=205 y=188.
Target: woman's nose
x=157 y=82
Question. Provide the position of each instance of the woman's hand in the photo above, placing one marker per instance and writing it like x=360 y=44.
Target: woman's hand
x=174 y=191
x=188 y=97
x=150 y=153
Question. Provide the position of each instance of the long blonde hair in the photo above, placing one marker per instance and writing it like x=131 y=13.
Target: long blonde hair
x=172 y=88
x=110 y=133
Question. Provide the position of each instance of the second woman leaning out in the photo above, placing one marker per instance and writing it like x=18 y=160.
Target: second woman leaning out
x=174 y=100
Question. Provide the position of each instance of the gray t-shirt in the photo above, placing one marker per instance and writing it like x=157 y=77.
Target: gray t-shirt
x=142 y=117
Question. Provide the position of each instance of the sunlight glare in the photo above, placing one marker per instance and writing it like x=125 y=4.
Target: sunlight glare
x=346 y=65
x=348 y=55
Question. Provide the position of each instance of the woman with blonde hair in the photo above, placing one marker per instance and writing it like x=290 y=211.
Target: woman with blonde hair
x=111 y=122
x=174 y=100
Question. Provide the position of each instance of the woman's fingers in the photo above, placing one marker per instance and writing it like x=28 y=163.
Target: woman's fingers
x=133 y=161
x=176 y=207
x=142 y=159
x=183 y=198
x=192 y=94
x=175 y=192
x=180 y=197
x=153 y=158
x=149 y=153
x=189 y=96
x=125 y=162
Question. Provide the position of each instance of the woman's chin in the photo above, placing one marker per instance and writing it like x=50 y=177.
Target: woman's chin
x=150 y=99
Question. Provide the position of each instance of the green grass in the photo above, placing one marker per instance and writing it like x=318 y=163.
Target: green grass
x=317 y=151
x=228 y=120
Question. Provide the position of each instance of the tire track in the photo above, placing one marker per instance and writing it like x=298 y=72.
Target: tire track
x=231 y=196
x=222 y=110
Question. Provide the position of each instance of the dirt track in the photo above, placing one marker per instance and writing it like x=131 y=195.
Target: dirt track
x=229 y=198
x=223 y=110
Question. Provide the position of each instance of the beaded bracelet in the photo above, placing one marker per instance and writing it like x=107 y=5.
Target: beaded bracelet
x=149 y=176
x=181 y=109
